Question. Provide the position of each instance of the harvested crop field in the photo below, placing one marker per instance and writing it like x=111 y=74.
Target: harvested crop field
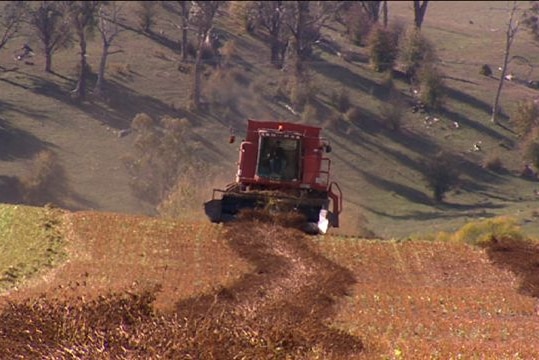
x=137 y=287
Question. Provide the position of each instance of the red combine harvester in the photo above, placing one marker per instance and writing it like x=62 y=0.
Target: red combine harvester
x=281 y=167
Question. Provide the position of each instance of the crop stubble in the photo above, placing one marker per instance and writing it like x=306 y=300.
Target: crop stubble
x=136 y=287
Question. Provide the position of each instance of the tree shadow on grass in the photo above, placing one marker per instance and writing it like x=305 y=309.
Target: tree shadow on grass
x=163 y=40
x=18 y=144
x=482 y=129
x=9 y=190
x=442 y=213
x=348 y=78
x=462 y=97
x=409 y=193
x=14 y=83
x=54 y=190
x=158 y=38
x=117 y=107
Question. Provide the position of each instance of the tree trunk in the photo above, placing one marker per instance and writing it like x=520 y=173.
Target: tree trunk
x=419 y=12
x=195 y=93
x=184 y=42
x=274 y=28
x=100 y=84
x=384 y=12
x=81 y=86
x=276 y=50
x=509 y=37
x=185 y=27
x=303 y=9
x=48 y=60
x=372 y=8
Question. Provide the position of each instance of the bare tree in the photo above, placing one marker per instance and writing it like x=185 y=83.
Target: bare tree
x=420 y=9
x=181 y=8
x=82 y=16
x=270 y=15
x=201 y=16
x=108 y=16
x=12 y=15
x=299 y=31
x=51 y=29
x=307 y=19
x=146 y=12
x=184 y=6
x=384 y=12
x=512 y=29
x=372 y=9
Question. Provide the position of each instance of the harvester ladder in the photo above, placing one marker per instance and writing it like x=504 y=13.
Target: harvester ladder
x=336 y=199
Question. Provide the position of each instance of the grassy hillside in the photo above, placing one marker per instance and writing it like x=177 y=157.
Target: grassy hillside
x=378 y=169
x=31 y=241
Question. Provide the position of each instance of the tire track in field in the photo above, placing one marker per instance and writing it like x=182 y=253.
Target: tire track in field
x=281 y=306
x=279 y=310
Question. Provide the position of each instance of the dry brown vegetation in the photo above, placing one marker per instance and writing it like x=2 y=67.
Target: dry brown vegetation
x=137 y=287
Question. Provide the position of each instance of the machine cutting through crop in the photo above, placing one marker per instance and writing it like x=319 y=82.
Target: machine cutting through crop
x=282 y=167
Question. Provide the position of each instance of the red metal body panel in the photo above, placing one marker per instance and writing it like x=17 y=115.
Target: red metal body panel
x=313 y=167
x=281 y=163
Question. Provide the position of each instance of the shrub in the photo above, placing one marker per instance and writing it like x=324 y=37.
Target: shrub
x=432 y=88
x=185 y=196
x=309 y=113
x=358 y=25
x=44 y=179
x=333 y=120
x=227 y=51
x=142 y=121
x=494 y=163
x=225 y=88
x=441 y=175
x=392 y=112
x=526 y=117
x=245 y=14
x=353 y=114
x=341 y=100
x=121 y=69
x=298 y=95
x=531 y=152
x=383 y=50
x=415 y=51
x=485 y=70
x=393 y=105
x=160 y=158
x=146 y=12
x=302 y=91
x=482 y=233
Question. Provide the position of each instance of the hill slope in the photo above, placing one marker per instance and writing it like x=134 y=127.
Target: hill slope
x=378 y=169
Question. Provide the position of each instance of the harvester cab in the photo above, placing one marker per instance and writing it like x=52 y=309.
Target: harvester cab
x=283 y=166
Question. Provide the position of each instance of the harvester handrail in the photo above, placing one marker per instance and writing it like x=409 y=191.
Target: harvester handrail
x=338 y=196
x=325 y=171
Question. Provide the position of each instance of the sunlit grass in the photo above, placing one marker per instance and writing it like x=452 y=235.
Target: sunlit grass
x=30 y=240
